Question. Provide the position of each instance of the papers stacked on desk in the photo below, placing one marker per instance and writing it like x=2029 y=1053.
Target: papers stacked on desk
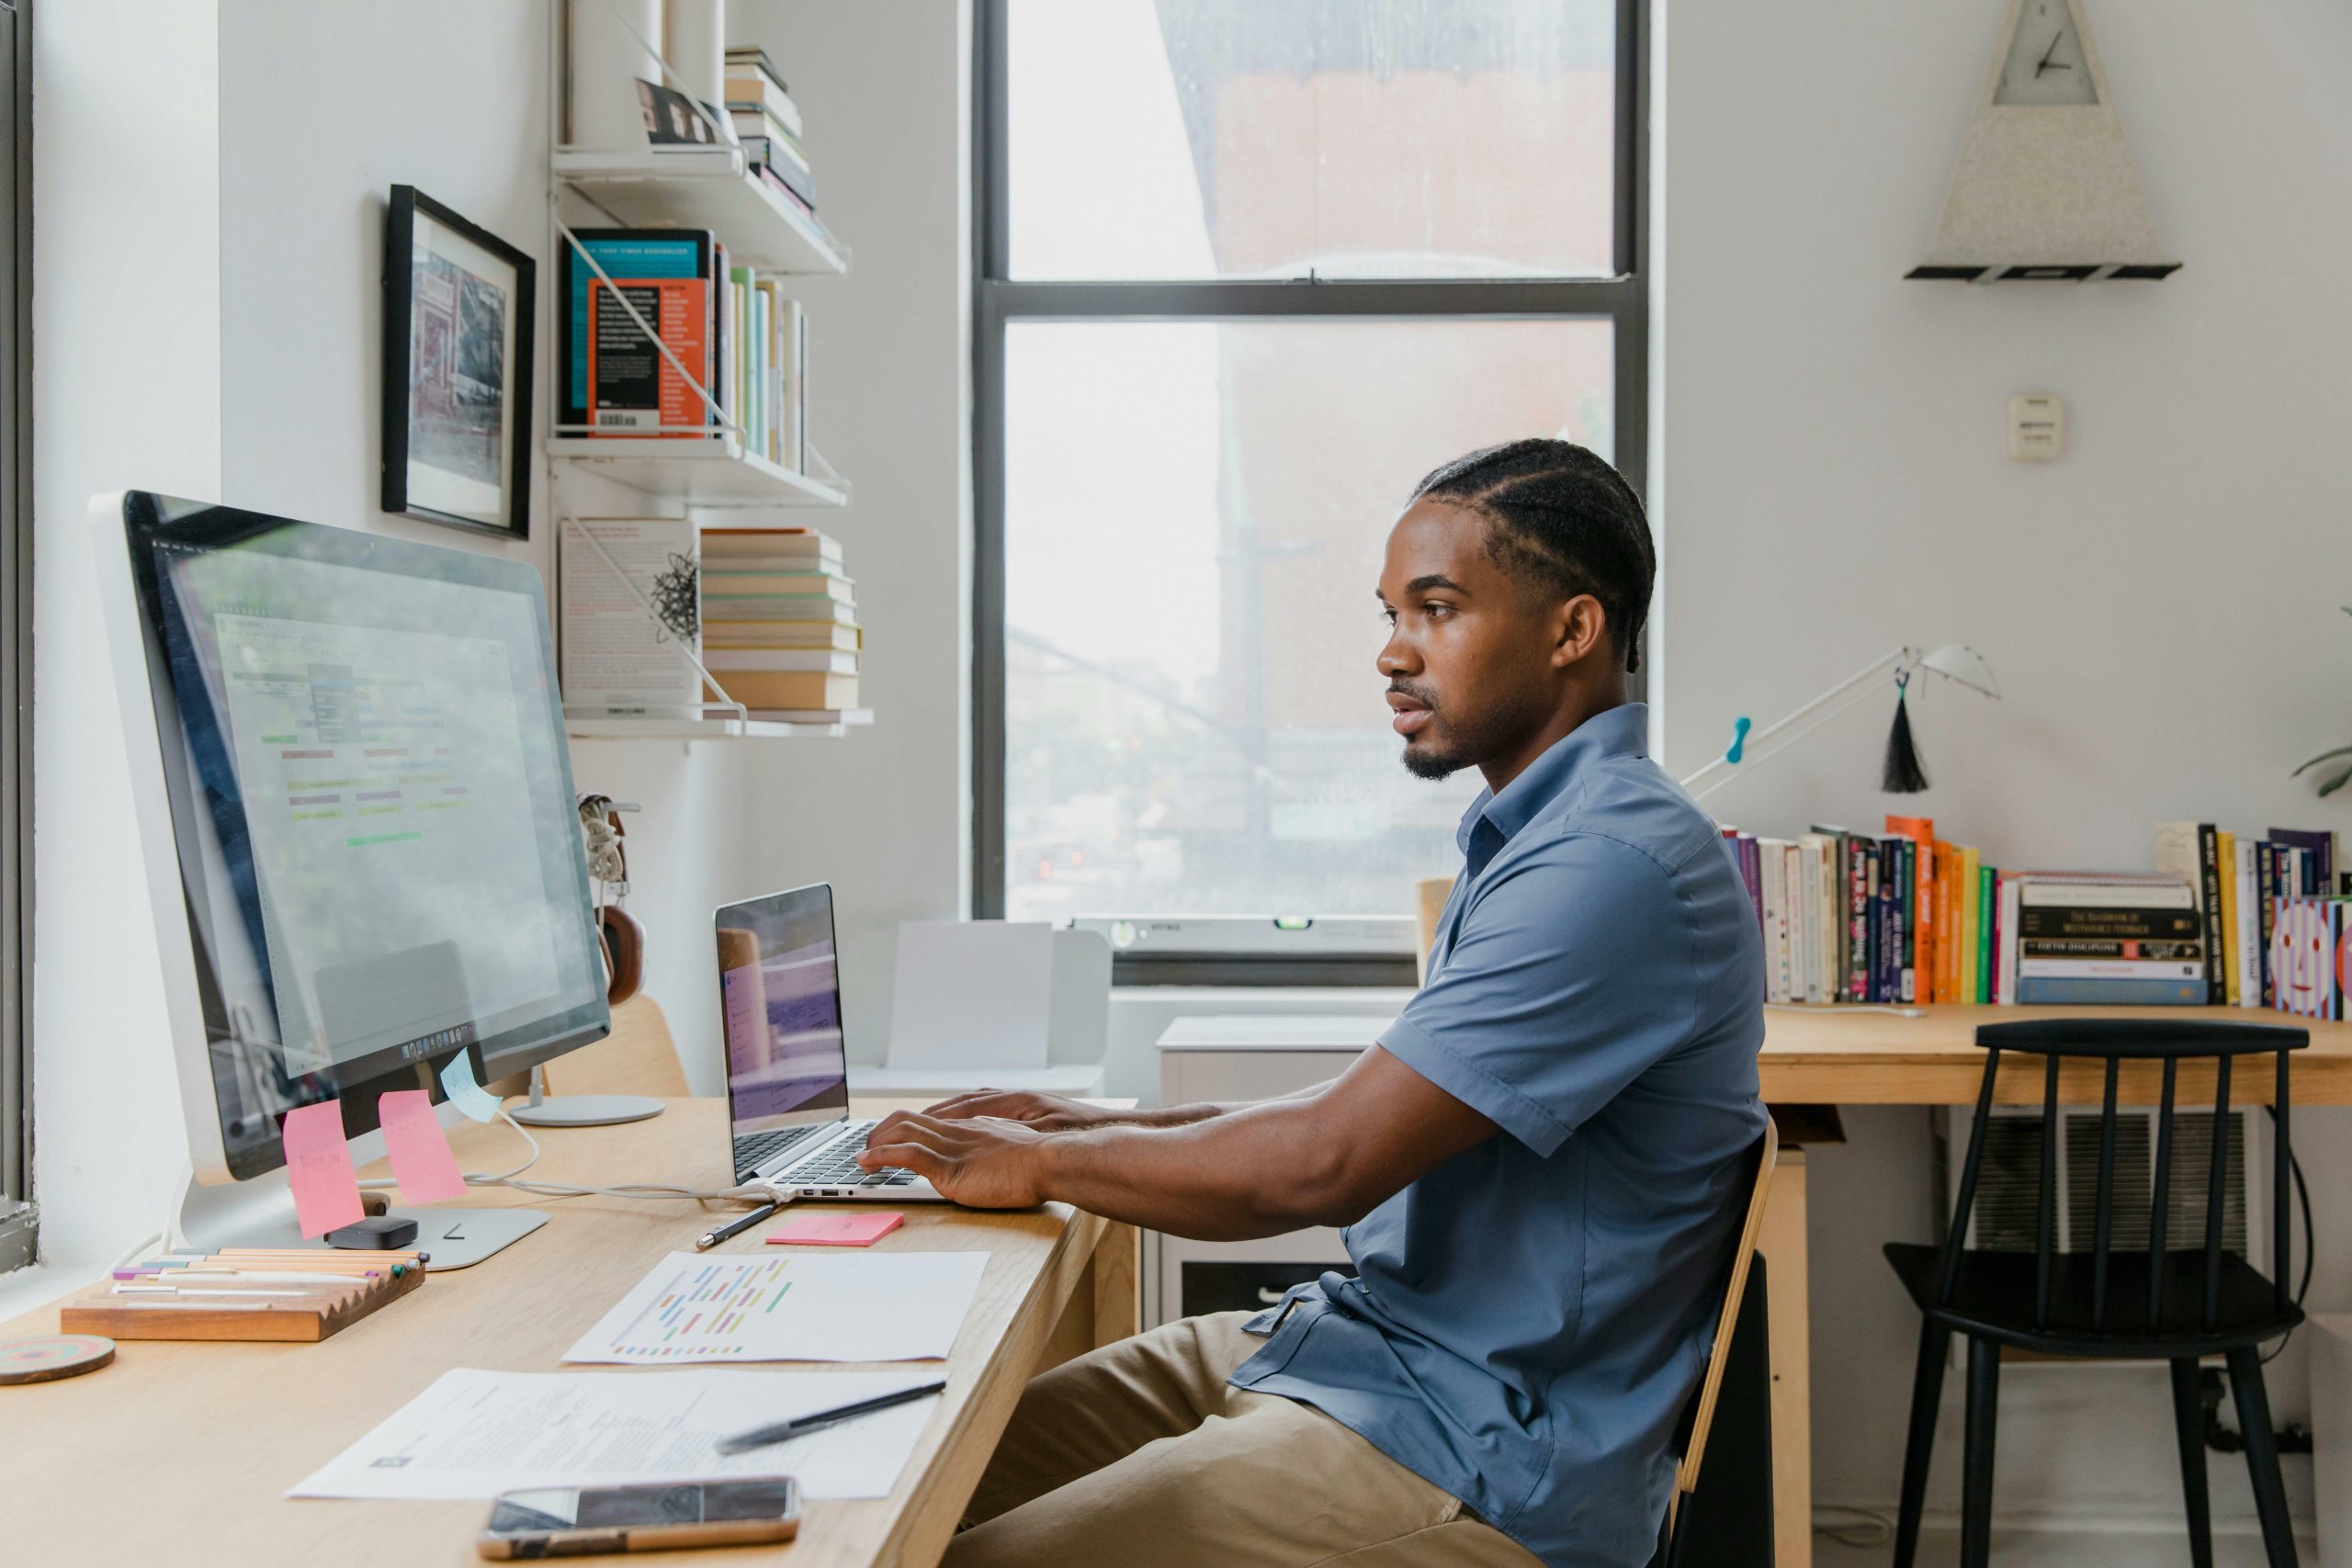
x=475 y=1434
x=889 y=1306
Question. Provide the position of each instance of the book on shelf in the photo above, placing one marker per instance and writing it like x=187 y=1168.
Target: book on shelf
x=844 y=637
x=796 y=688
x=752 y=79
x=728 y=581
x=771 y=545
x=825 y=660
x=614 y=378
x=735 y=609
x=616 y=657
x=731 y=327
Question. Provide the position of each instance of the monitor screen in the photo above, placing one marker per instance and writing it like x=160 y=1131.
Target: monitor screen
x=780 y=994
x=372 y=806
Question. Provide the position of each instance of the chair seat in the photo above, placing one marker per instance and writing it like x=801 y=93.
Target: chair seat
x=1993 y=1296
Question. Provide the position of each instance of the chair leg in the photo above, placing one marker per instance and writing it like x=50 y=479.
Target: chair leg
x=2188 y=1423
x=2262 y=1457
x=1927 y=1398
x=1976 y=1474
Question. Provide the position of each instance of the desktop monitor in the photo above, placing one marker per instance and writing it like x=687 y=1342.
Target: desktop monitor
x=355 y=807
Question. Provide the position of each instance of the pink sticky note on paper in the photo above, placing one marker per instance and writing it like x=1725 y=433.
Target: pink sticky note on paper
x=318 y=1165
x=421 y=1162
x=837 y=1230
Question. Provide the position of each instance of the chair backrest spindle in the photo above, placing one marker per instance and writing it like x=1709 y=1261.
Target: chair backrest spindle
x=2103 y=1219
x=2160 y=1194
x=2045 y=1224
x=2280 y=1155
x=1965 y=1206
x=2217 y=1178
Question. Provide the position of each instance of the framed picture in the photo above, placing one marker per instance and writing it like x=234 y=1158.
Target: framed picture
x=457 y=313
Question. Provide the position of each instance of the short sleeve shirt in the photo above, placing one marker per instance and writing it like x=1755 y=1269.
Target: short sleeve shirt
x=1527 y=1320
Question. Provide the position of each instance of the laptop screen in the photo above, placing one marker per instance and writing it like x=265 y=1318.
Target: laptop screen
x=780 y=995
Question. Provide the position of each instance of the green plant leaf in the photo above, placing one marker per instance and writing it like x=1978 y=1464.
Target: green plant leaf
x=2331 y=786
x=2323 y=756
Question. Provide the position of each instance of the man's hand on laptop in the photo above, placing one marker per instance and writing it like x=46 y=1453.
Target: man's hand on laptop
x=985 y=1162
x=1046 y=1113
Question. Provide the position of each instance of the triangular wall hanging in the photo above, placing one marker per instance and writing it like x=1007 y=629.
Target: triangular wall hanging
x=2044 y=189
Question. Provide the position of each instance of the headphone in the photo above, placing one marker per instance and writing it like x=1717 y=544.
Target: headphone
x=620 y=940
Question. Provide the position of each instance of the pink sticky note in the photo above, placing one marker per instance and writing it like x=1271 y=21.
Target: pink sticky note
x=837 y=1230
x=318 y=1164
x=421 y=1162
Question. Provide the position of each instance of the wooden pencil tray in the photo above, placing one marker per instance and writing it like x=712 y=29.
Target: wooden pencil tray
x=102 y=1312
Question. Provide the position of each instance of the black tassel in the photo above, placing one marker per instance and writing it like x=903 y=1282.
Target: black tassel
x=1903 y=774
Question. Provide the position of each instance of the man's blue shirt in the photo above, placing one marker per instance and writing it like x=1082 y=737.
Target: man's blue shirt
x=1529 y=1318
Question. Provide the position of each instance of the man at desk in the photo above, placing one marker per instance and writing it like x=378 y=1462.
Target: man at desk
x=1540 y=1166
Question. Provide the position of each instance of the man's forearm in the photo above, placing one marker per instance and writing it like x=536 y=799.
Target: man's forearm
x=1233 y=1174
x=1187 y=1115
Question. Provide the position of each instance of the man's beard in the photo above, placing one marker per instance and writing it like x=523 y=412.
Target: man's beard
x=1429 y=765
x=1468 y=741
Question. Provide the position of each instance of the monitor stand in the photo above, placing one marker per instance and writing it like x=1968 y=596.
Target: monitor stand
x=261 y=1213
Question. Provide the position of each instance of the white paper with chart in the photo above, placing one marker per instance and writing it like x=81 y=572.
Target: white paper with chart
x=475 y=1434
x=883 y=1306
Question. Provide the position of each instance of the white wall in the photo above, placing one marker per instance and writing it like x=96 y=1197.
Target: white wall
x=881 y=815
x=304 y=220
x=126 y=394
x=2160 y=605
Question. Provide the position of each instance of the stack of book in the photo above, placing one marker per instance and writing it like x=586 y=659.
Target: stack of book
x=731 y=329
x=1851 y=918
x=779 y=623
x=2108 y=938
x=767 y=122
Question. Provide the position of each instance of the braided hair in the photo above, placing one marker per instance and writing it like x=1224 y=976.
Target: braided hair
x=1563 y=518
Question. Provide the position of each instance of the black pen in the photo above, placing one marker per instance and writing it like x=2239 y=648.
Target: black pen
x=735 y=1227
x=780 y=1431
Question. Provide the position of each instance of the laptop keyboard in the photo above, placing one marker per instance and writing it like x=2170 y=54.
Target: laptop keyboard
x=837 y=1166
x=758 y=1148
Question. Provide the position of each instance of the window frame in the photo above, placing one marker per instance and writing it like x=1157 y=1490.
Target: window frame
x=999 y=299
x=19 y=1215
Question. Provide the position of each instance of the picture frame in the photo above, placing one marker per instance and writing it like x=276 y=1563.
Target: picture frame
x=459 y=313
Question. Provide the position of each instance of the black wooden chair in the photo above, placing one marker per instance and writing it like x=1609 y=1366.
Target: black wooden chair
x=1730 y=1523
x=2174 y=1305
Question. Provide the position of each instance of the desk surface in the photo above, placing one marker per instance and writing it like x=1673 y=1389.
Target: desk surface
x=1834 y=1056
x=181 y=1453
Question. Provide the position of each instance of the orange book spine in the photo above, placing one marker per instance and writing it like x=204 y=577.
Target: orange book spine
x=1921 y=831
x=1947 y=923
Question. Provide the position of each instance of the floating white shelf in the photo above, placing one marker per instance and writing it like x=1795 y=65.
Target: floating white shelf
x=584 y=728
x=704 y=188
x=696 y=472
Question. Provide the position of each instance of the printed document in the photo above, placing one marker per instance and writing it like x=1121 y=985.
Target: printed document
x=881 y=1306
x=475 y=1434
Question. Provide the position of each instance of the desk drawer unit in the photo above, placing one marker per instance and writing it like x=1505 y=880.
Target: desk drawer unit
x=1194 y=1277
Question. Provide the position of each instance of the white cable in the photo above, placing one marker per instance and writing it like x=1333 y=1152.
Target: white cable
x=641 y=1192
x=1844 y=1008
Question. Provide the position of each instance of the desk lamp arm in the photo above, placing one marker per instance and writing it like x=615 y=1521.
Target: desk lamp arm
x=1780 y=735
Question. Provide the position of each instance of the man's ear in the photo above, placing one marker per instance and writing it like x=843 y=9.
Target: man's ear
x=1579 y=629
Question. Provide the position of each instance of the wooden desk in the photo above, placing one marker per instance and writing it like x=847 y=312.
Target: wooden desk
x=1853 y=1056
x=1834 y=1056
x=182 y=1451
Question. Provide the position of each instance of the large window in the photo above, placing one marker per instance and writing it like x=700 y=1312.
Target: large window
x=1248 y=271
x=16 y=636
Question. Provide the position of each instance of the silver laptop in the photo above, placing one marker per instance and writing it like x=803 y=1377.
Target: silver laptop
x=787 y=1068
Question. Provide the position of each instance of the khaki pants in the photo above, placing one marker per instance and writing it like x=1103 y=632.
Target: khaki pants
x=1141 y=1454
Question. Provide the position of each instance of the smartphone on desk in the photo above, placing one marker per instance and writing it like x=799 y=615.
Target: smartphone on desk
x=574 y=1521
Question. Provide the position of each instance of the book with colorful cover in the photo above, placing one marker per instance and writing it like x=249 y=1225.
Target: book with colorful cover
x=2307 y=958
x=614 y=378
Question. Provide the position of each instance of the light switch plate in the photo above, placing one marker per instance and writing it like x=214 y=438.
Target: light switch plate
x=2037 y=427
